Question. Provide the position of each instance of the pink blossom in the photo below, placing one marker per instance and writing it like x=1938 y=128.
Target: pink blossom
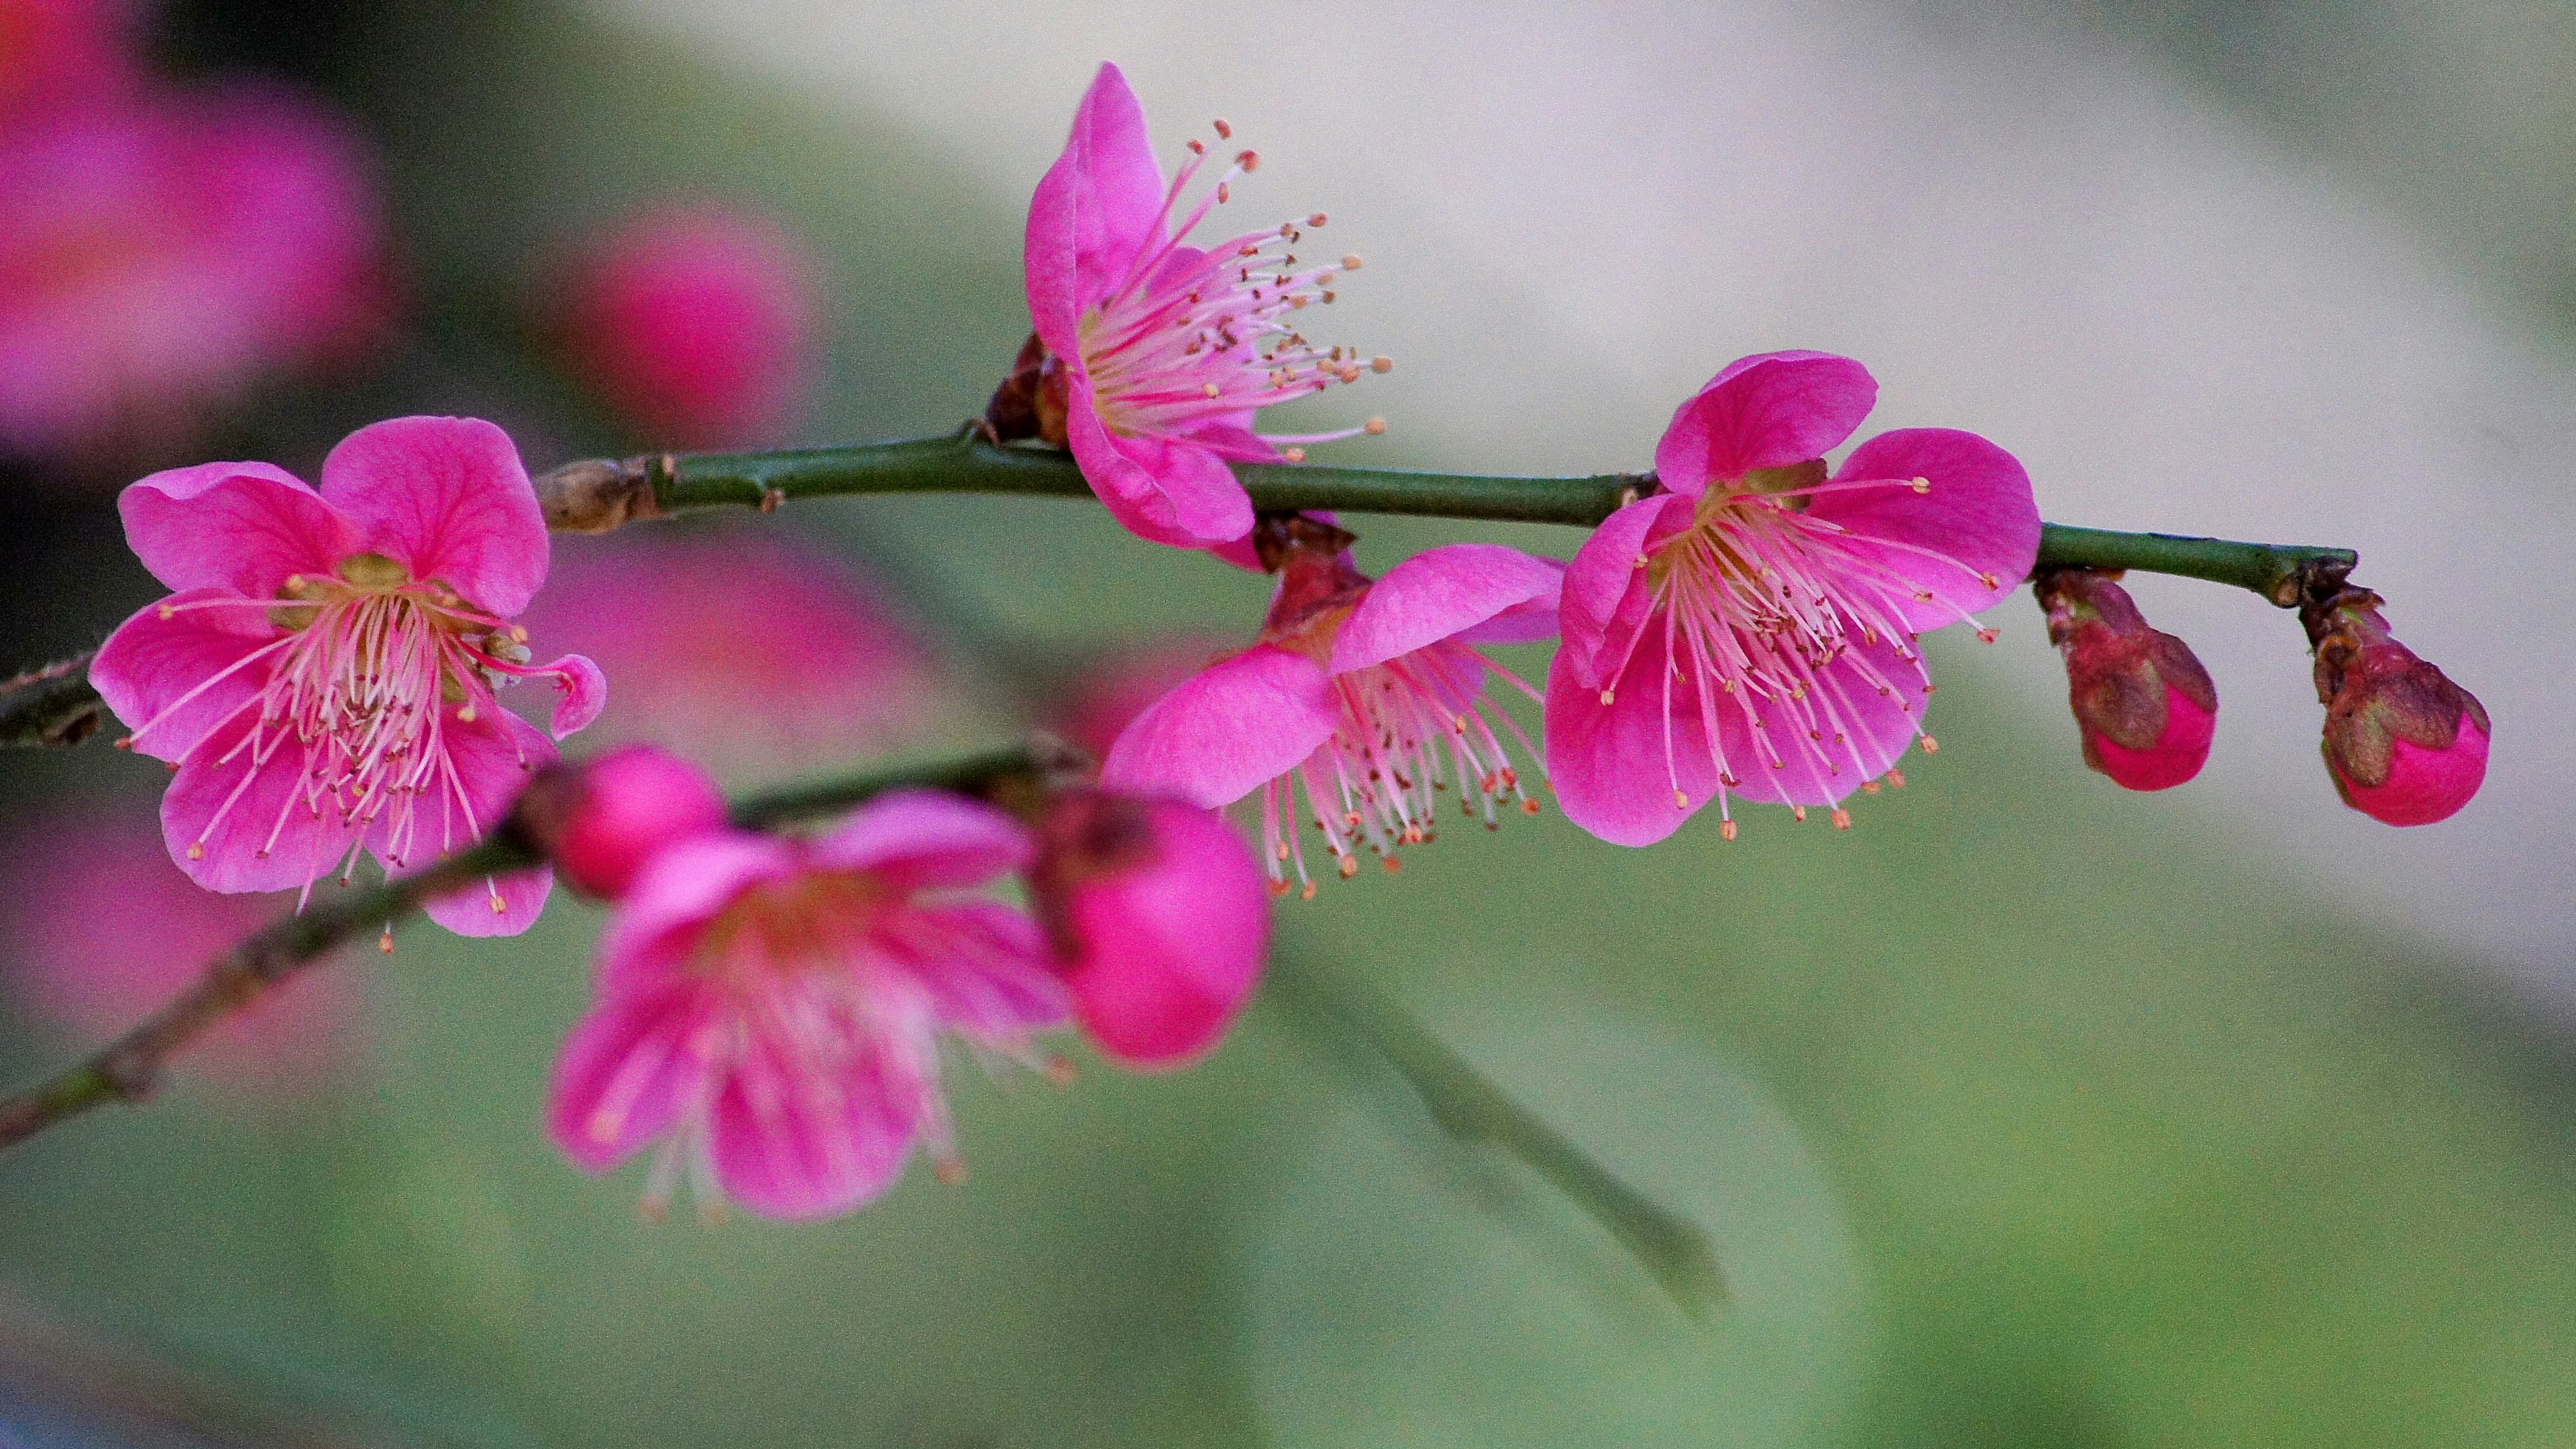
x=769 y=1010
x=2403 y=744
x=739 y=649
x=1159 y=920
x=1751 y=629
x=2146 y=708
x=322 y=678
x=160 y=255
x=1366 y=694
x=602 y=821
x=97 y=931
x=698 y=324
x=1151 y=355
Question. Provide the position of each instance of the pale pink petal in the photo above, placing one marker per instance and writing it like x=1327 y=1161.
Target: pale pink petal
x=1163 y=490
x=790 y=1142
x=448 y=499
x=1225 y=730
x=584 y=690
x=1766 y=411
x=469 y=912
x=985 y=966
x=1605 y=600
x=1978 y=522
x=676 y=893
x=1441 y=592
x=1615 y=766
x=625 y=1073
x=916 y=839
x=265 y=835
x=183 y=675
x=244 y=527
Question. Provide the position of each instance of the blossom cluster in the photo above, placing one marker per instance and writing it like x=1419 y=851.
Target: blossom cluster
x=328 y=679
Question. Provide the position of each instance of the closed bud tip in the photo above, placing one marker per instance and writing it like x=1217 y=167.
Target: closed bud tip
x=2143 y=704
x=602 y=821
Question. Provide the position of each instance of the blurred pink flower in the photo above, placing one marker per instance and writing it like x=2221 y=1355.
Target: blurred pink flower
x=737 y=649
x=603 y=821
x=322 y=678
x=2403 y=744
x=59 y=53
x=699 y=325
x=97 y=931
x=769 y=1009
x=1158 y=354
x=1750 y=630
x=1093 y=705
x=1366 y=693
x=159 y=255
x=1159 y=920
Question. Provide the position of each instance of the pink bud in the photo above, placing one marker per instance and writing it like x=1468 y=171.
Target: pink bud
x=602 y=821
x=1159 y=918
x=2404 y=744
x=2144 y=705
x=697 y=324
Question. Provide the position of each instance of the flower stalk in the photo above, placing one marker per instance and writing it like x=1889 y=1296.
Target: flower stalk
x=131 y=1067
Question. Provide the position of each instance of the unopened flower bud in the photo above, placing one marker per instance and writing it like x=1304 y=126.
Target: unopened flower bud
x=2405 y=745
x=1159 y=920
x=2144 y=705
x=602 y=821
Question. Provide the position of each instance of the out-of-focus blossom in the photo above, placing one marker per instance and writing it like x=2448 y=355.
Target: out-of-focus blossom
x=322 y=678
x=1151 y=356
x=738 y=649
x=700 y=325
x=769 y=1010
x=1751 y=630
x=1366 y=693
x=161 y=255
x=2404 y=744
x=1092 y=704
x=64 y=53
x=1159 y=920
x=600 y=822
x=97 y=931
x=2145 y=706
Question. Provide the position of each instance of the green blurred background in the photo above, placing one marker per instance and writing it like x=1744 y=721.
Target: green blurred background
x=2027 y=1113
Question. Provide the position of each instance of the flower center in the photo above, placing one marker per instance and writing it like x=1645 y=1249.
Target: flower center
x=784 y=930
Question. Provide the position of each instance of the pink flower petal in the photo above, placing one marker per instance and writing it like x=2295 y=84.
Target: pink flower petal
x=171 y=680
x=259 y=836
x=986 y=968
x=675 y=894
x=1766 y=411
x=1097 y=208
x=918 y=839
x=788 y=1142
x=1225 y=730
x=1163 y=490
x=1979 y=512
x=1615 y=766
x=243 y=527
x=1438 y=593
x=624 y=1074
x=584 y=690
x=491 y=758
x=448 y=499
x=1605 y=601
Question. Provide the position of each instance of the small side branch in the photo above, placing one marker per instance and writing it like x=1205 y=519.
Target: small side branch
x=2284 y=573
x=54 y=705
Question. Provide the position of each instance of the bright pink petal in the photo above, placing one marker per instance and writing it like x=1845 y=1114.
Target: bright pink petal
x=624 y=1074
x=469 y=912
x=171 y=680
x=1605 y=600
x=492 y=757
x=1978 y=521
x=244 y=527
x=676 y=893
x=1169 y=952
x=1615 y=766
x=1766 y=411
x=986 y=968
x=1866 y=705
x=1439 y=593
x=250 y=823
x=584 y=690
x=790 y=1142
x=1225 y=730
x=448 y=499
x=1097 y=208
x=1163 y=490
x=918 y=839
